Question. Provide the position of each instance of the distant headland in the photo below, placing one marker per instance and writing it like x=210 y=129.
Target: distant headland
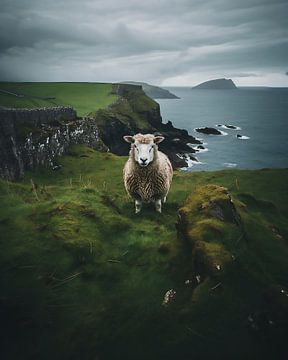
x=154 y=92
x=216 y=84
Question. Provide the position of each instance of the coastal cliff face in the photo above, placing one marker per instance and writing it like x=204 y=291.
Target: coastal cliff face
x=135 y=112
x=33 y=137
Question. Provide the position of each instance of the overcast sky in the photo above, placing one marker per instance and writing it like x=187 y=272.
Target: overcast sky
x=164 y=42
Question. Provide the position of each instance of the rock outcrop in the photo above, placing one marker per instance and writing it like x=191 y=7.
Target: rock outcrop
x=208 y=131
x=210 y=226
x=33 y=137
x=135 y=112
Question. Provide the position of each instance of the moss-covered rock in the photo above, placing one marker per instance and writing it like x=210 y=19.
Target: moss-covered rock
x=212 y=227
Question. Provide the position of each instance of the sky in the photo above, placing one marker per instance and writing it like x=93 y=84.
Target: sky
x=162 y=42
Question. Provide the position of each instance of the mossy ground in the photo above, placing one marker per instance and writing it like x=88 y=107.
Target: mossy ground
x=83 y=97
x=82 y=276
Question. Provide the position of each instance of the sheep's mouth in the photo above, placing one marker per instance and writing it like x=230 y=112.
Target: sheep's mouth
x=143 y=164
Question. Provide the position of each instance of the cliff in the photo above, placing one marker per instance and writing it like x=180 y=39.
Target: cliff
x=135 y=112
x=33 y=137
x=217 y=84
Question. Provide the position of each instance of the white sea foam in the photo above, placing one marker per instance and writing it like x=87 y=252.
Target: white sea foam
x=223 y=133
x=195 y=147
x=190 y=165
x=189 y=161
x=243 y=137
x=202 y=150
x=235 y=127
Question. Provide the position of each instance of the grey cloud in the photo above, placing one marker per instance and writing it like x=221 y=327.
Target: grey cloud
x=141 y=40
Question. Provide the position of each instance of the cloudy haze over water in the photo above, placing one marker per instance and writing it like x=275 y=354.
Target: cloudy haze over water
x=163 y=42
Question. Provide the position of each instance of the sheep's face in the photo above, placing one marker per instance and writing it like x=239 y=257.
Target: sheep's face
x=144 y=147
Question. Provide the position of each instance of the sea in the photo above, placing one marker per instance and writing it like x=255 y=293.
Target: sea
x=260 y=118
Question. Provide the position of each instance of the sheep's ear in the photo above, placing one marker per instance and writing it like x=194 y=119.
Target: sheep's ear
x=128 y=138
x=158 y=139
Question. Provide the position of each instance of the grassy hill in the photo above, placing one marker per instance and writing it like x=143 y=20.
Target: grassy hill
x=83 y=276
x=84 y=97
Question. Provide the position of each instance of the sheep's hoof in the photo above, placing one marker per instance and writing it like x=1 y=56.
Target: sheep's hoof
x=158 y=205
x=138 y=206
x=159 y=210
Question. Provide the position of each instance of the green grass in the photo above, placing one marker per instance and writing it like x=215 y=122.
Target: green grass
x=133 y=109
x=83 y=276
x=84 y=97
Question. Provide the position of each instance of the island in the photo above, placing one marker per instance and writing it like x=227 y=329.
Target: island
x=216 y=84
x=155 y=92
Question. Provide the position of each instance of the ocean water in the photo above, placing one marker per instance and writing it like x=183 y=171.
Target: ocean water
x=261 y=114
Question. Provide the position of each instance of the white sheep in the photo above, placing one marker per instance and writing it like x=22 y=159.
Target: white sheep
x=148 y=172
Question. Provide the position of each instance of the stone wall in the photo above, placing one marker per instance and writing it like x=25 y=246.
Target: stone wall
x=33 y=137
x=37 y=117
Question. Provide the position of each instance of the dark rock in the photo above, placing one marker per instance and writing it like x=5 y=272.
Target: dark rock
x=231 y=127
x=208 y=131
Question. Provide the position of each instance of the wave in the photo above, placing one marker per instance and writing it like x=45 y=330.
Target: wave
x=223 y=133
x=242 y=137
x=229 y=127
x=190 y=162
x=197 y=149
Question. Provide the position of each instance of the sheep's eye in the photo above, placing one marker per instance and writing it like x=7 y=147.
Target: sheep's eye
x=150 y=149
x=137 y=149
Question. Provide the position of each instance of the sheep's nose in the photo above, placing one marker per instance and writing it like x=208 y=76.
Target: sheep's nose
x=143 y=160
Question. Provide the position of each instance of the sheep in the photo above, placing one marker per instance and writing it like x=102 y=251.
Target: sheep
x=148 y=172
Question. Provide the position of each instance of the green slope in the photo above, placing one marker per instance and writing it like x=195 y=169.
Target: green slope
x=83 y=276
x=84 y=97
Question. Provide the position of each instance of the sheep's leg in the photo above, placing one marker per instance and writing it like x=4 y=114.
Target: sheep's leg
x=138 y=206
x=164 y=199
x=158 y=205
